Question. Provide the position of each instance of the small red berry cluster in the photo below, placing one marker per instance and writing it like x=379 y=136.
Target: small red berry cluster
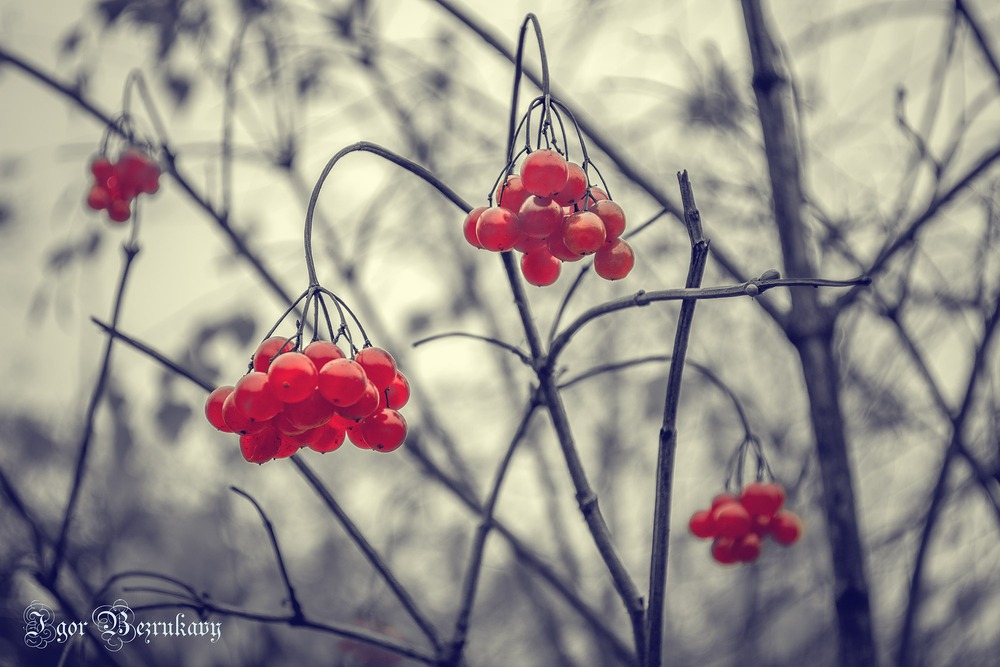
x=552 y=214
x=116 y=184
x=312 y=398
x=739 y=525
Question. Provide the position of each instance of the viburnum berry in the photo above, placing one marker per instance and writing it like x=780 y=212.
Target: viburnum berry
x=557 y=246
x=469 y=227
x=526 y=244
x=731 y=520
x=366 y=404
x=583 y=233
x=237 y=420
x=253 y=397
x=575 y=187
x=260 y=447
x=330 y=438
x=544 y=173
x=312 y=411
x=379 y=366
x=384 y=431
x=498 y=229
x=269 y=349
x=342 y=381
x=398 y=392
x=540 y=217
x=511 y=194
x=357 y=437
x=786 y=527
x=762 y=498
x=747 y=548
x=320 y=352
x=213 y=407
x=119 y=210
x=540 y=267
x=614 y=260
x=612 y=215
x=116 y=184
x=701 y=524
x=723 y=550
x=292 y=377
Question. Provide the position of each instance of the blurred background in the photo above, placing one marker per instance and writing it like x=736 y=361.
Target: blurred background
x=898 y=130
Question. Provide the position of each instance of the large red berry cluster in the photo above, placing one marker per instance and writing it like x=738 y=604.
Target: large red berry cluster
x=552 y=214
x=738 y=526
x=116 y=184
x=312 y=398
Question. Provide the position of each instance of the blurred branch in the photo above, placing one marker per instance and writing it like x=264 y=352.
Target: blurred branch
x=471 y=581
x=667 y=446
x=905 y=656
x=981 y=38
x=809 y=326
x=130 y=250
x=293 y=600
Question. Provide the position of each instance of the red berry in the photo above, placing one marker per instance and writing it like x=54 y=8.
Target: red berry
x=357 y=437
x=540 y=217
x=342 y=381
x=366 y=404
x=731 y=520
x=760 y=524
x=213 y=408
x=469 y=227
x=260 y=447
x=398 y=392
x=119 y=210
x=526 y=244
x=511 y=194
x=614 y=260
x=237 y=420
x=540 y=267
x=723 y=550
x=102 y=169
x=747 y=548
x=330 y=438
x=612 y=215
x=284 y=425
x=254 y=398
x=99 y=198
x=575 y=187
x=321 y=352
x=701 y=524
x=583 y=233
x=498 y=229
x=557 y=246
x=309 y=413
x=763 y=499
x=596 y=195
x=292 y=377
x=786 y=527
x=269 y=349
x=379 y=366
x=723 y=499
x=544 y=173
x=287 y=445
x=384 y=431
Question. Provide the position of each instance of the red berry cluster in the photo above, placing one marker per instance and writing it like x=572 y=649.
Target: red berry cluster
x=116 y=184
x=313 y=398
x=739 y=525
x=551 y=214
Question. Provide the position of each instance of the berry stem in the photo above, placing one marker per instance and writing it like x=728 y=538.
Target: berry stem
x=518 y=69
x=668 y=431
x=368 y=147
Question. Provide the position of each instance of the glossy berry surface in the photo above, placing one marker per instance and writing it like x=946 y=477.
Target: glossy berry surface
x=292 y=377
x=498 y=229
x=544 y=173
x=583 y=233
x=540 y=267
x=384 y=431
x=614 y=260
x=379 y=366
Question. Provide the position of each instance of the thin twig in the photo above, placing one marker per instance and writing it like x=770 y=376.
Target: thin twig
x=519 y=353
x=373 y=557
x=938 y=495
x=668 y=432
x=130 y=250
x=297 y=616
x=471 y=581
